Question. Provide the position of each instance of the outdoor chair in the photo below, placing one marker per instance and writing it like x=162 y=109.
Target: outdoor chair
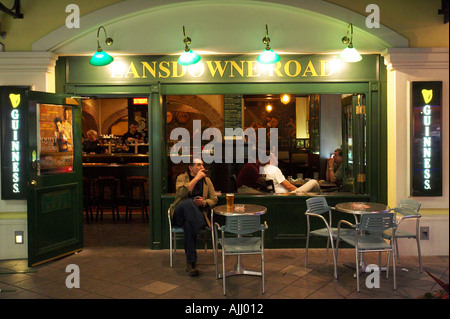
x=368 y=237
x=317 y=207
x=241 y=244
x=173 y=231
x=407 y=209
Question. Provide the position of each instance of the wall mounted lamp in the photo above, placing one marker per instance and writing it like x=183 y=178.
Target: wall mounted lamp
x=349 y=54
x=285 y=98
x=269 y=107
x=18 y=237
x=100 y=57
x=268 y=56
x=188 y=57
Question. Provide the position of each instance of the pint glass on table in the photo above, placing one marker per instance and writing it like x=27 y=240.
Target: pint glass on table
x=230 y=201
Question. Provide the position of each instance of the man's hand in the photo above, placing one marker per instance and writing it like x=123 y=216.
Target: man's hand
x=199 y=201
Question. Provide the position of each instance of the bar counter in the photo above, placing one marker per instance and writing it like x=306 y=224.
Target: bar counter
x=285 y=216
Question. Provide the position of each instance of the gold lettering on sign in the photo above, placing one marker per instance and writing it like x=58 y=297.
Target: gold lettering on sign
x=224 y=69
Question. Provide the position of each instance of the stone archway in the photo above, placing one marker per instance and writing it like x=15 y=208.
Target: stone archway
x=112 y=119
x=202 y=106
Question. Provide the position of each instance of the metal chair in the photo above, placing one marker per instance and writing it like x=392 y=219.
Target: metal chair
x=368 y=237
x=316 y=207
x=242 y=245
x=173 y=231
x=407 y=209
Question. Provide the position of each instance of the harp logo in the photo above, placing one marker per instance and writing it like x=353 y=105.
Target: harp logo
x=15 y=100
x=427 y=95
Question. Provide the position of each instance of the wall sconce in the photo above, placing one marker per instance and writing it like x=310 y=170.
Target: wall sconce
x=269 y=107
x=268 y=56
x=285 y=98
x=349 y=54
x=101 y=58
x=188 y=57
x=18 y=237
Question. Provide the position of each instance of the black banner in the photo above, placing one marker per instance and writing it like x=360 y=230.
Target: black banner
x=426 y=146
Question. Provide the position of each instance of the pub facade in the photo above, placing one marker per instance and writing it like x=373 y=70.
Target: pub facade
x=366 y=108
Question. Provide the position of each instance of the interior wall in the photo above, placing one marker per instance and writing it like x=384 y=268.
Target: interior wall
x=330 y=127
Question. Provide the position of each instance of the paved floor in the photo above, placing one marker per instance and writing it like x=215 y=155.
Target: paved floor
x=115 y=263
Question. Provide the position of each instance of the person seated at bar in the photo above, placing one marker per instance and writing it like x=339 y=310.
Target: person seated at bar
x=249 y=179
x=132 y=137
x=91 y=145
x=334 y=167
x=194 y=196
x=282 y=185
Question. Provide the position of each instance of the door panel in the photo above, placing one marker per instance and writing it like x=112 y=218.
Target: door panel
x=54 y=194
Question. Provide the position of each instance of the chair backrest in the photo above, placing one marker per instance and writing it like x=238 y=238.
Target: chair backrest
x=408 y=207
x=375 y=223
x=243 y=224
x=270 y=186
x=317 y=205
x=233 y=183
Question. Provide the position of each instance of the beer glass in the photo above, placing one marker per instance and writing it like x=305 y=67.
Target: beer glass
x=230 y=201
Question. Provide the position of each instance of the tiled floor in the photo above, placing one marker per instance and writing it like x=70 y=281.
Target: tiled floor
x=116 y=263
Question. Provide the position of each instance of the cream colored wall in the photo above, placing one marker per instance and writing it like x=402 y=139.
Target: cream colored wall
x=417 y=20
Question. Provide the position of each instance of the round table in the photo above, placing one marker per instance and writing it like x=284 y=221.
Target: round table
x=248 y=209
x=358 y=208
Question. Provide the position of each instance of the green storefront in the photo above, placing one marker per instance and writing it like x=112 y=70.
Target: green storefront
x=160 y=77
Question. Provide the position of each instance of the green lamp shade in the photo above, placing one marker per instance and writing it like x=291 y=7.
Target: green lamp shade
x=268 y=57
x=189 y=58
x=350 y=55
x=101 y=58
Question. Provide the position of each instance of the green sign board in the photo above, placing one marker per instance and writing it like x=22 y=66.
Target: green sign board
x=139 y=70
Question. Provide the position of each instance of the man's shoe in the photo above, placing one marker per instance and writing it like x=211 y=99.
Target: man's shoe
x=192 y=269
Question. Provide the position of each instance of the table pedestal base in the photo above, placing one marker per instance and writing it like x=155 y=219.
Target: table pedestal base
x=239 y=270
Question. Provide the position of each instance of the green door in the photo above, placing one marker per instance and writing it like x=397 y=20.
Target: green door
x=54 y=188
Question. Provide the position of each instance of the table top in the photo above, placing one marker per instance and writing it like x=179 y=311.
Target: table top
x=248 y=209
x=362 y=207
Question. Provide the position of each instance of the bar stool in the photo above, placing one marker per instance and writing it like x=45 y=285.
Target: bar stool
x=87 y=198
x=135 y=196
x=107 y=196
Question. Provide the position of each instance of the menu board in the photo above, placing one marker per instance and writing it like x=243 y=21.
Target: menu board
x=232 y=111
x=55 y=139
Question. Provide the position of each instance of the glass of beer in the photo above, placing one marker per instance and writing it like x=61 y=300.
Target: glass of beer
x=230 y=201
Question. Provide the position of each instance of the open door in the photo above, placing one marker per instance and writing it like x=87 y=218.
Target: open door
x=54 y=166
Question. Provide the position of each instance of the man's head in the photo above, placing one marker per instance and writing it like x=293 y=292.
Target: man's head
x=195 y=166
x=338 y=156
x=133 y=127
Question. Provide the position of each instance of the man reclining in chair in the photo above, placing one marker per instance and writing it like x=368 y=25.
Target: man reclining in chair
x=195 y=195
x=282 y=185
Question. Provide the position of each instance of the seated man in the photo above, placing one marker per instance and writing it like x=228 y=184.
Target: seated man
x=195 y=195
x=334 y=167
x=281 y=185
x=249 y=179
